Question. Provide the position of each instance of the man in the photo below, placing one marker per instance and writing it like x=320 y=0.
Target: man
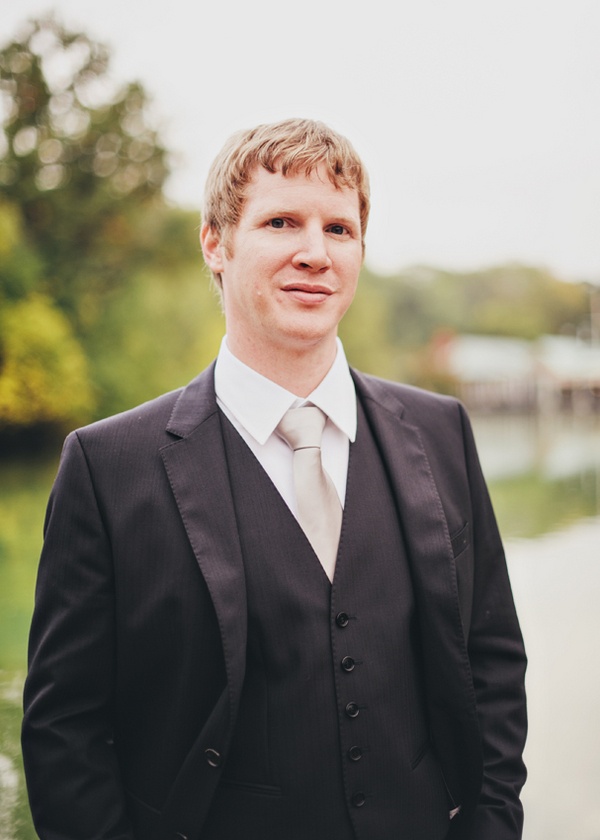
x=218 y=651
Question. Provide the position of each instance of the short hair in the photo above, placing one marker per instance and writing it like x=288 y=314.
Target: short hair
x=293 y=146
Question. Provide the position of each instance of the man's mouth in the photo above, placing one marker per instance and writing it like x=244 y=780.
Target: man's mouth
x=308 y=292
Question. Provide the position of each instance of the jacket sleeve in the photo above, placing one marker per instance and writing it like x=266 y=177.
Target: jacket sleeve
x=498 y=662
x=70 y=763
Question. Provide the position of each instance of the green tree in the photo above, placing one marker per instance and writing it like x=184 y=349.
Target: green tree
x=44 y=370
x=88 y=245
x=80 y=158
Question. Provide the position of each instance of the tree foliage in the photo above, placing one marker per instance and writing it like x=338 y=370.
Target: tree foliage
x=82 y=219
x=79 y=157
x=45 y=375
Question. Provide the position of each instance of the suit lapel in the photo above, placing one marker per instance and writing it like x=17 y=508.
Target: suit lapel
x=428 y=542
x=197 y=470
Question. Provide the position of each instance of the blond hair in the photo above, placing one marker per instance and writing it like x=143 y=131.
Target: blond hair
x=292 y=147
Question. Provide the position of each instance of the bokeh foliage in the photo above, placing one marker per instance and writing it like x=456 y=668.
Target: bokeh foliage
x=395 y=321
x=81 y=159
x=101 y=294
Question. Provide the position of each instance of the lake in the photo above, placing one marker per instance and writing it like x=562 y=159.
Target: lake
x=544 y=479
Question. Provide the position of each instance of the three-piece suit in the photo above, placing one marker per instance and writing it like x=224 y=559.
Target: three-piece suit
x=194 y=674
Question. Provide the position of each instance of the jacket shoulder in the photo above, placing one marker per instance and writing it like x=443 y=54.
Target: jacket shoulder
x=407 y=399
x=154 y=413
x=151 y=421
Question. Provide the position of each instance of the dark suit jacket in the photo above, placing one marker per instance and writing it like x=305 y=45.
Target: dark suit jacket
x=137 y=649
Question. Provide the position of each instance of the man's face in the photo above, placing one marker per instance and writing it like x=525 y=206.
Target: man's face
x=290 y=266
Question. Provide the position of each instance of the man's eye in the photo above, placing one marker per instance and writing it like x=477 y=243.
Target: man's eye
x=339 y=230
x=277 y=223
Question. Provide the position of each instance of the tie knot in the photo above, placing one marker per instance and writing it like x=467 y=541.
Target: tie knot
x=302 y=428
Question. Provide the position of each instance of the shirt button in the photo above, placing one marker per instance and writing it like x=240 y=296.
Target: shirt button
x=342 y=619
x=348 y=664
x=355 y=753
x=352 y=710
x=358 y=799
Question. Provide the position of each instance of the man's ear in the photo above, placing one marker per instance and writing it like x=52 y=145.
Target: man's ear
x=212 y=248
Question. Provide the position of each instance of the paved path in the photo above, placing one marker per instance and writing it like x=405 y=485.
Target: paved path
x=556 y=584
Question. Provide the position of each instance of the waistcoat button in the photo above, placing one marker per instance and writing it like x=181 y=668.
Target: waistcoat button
x=348 y=663
x=358 y=799
x=342 y=619
x=213 y=757
x=355 y=753
x=352 y=710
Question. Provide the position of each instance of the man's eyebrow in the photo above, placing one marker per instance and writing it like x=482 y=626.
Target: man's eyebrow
x=345 y=220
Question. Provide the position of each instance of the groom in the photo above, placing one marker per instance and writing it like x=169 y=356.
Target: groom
x=243 y=632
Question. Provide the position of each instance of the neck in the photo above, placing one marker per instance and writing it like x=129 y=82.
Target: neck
x=299 y=372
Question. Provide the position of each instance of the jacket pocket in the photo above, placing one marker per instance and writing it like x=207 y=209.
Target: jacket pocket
x=464 y=567
x=461 y=540
x=251 y=787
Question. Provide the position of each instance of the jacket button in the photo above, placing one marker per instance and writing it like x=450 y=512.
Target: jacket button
x=355 y=753
x=348 y=664
x=342 y=619
x=352 y=710
x=358 y=799
x=212 y=757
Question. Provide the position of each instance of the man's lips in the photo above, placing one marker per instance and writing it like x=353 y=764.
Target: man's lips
x=308 y=292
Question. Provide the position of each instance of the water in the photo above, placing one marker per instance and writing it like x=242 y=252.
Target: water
x=545 y=484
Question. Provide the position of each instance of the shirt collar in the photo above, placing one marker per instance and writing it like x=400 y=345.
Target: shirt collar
x=259 y=404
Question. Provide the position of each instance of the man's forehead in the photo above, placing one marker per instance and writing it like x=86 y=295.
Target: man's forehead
x=266 y=186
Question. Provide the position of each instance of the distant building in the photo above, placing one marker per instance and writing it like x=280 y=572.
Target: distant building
x=568 y=374
x=492 y=373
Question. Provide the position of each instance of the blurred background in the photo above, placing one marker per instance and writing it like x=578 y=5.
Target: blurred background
x=480 y=126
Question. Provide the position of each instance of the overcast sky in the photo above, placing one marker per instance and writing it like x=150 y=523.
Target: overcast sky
x=478 y=121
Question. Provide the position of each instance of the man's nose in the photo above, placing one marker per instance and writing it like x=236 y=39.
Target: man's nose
x=312 y=253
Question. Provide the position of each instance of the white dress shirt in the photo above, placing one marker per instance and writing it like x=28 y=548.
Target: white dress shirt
x=255 y=406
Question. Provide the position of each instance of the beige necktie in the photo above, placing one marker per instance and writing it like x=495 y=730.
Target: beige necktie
x=319 y=508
